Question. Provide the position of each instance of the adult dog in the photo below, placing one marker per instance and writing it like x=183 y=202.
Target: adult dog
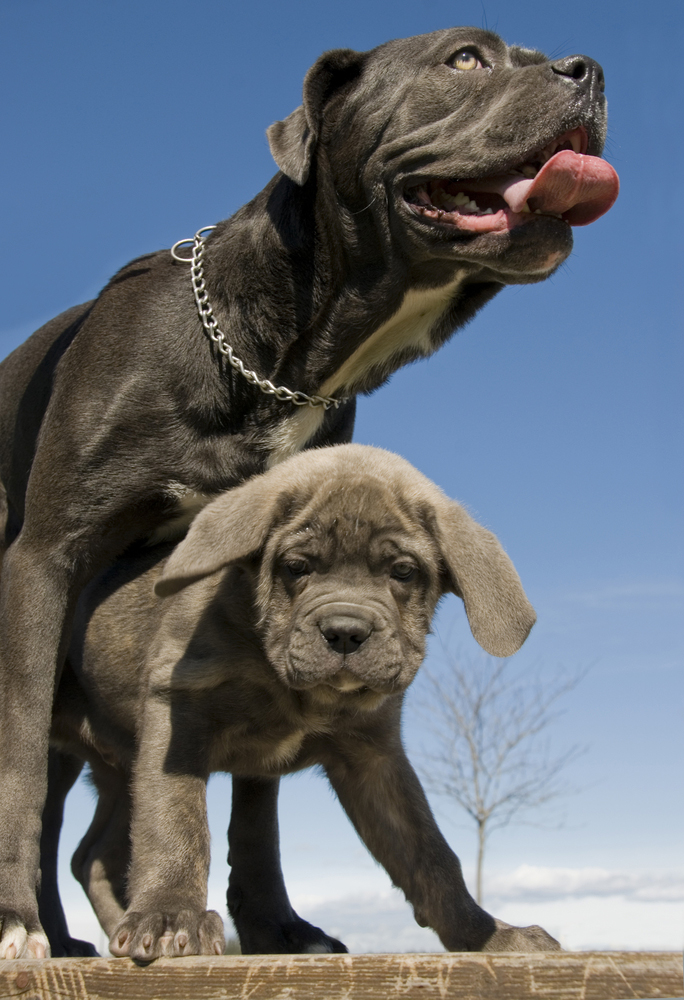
x=416 y=180
x=302 y=602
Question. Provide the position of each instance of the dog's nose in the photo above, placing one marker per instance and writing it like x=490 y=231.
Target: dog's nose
x=581 y=69
x=344 y=634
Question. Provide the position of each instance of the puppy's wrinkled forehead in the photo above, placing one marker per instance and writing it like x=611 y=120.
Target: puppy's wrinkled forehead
x=345 y=519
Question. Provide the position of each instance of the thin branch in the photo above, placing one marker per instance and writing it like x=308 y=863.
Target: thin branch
x=488 y=752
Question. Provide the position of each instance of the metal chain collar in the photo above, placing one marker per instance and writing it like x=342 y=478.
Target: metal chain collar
x=206 y=314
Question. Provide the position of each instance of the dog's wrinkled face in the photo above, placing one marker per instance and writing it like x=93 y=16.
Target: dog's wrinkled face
x=473 y=123
x=348 y=590
x=464 y=148
x=348 y=550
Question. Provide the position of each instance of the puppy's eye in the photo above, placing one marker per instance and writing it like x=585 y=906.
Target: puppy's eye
x=403 y=571
x=297 y=567
x=465 y=60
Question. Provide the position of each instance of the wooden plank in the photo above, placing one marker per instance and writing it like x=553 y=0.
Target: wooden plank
x=461 y=976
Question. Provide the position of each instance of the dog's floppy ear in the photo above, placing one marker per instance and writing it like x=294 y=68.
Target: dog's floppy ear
x=231 y=527
x=480 y=572
x=293 y=140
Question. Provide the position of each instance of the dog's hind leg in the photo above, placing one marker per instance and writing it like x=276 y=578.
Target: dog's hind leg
x=257 y=898
x=63 y=770
x=100 y=862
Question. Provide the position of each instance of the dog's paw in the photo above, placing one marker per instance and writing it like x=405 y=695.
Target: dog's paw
x=509 y=938
x=302 y=937
x=146 y=936
x=17 y=941
x=73 y=948
x=284 y=937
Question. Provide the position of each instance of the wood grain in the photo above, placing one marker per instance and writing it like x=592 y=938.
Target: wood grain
x=463 y=976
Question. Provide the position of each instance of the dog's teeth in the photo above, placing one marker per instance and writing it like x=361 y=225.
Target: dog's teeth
x=488 y=211
x=528 y=171
x=537 y=211
x=525 y=208
x=461 y=198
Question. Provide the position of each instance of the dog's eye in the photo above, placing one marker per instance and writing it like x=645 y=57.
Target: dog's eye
x=297 y=567
x=465 y=60
x=403 y=571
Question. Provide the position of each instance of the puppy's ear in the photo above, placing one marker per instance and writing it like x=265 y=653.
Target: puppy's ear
x=232 y=527
x=480 y=572
x=293 y=140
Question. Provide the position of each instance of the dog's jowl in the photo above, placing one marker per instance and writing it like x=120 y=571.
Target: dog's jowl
x=294 y=619
x=416 y=180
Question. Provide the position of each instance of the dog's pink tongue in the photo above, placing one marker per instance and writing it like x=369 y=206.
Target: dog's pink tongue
x=580 y=188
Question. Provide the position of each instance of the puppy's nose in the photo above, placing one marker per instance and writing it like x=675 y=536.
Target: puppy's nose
x=344 y=634
x=581 y=69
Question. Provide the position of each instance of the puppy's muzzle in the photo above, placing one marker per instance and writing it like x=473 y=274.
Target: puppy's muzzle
x=345 y=630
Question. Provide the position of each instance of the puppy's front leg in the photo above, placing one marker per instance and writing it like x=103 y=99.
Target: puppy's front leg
x=384 y=799
x=167 y=912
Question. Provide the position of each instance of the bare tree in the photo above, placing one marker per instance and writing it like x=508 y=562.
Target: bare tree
x=490 y=750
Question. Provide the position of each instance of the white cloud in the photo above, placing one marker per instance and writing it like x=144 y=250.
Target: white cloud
x=529 y=883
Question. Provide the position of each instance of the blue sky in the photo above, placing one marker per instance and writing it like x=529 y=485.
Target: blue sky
x=555 y=416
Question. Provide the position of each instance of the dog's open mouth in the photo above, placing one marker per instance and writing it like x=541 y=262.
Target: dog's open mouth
x=559 y=181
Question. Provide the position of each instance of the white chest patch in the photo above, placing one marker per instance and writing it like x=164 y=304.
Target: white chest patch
x=190 y=502
x=410 y=326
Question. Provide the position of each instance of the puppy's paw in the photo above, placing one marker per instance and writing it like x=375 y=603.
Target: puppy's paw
x=19 y=941
x=520 y=939
x=144 y=936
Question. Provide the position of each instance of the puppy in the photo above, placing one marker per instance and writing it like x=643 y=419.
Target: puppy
x=293 y=620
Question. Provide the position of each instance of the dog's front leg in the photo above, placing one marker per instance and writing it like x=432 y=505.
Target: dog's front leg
x=62 y=543
x=37 y=592
x=167 y=889
x=384 y=799
x=257 y=898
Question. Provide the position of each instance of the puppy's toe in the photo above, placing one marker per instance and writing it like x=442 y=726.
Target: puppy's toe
x=166 y=945
x=120 y=941
x=212 y=939
x=149 y=938
x=138 y=936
